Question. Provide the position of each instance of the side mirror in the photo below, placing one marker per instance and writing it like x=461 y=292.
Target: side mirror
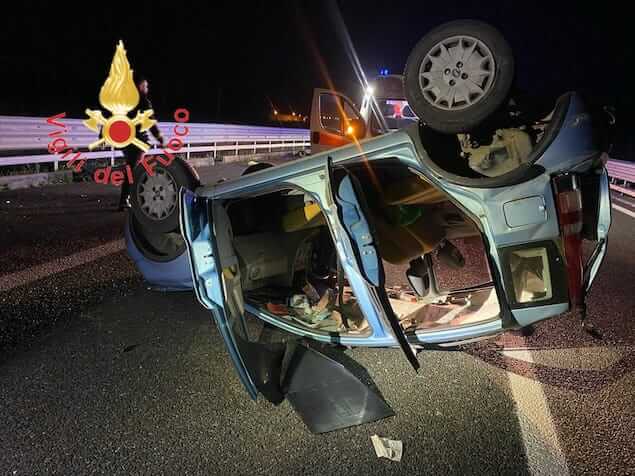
x=354 y=128
x=418 y=277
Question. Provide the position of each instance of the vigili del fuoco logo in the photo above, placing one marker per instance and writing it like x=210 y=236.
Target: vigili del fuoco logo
x=119 y=96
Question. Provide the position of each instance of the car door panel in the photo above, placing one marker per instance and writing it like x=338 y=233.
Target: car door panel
x=359 y=231
x=353 y=212
x=331 y=114
x=196 y=226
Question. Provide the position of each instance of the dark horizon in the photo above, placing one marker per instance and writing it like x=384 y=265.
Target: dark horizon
x=230 y=63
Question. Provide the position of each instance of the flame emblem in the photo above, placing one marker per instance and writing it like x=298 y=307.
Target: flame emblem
x=119 y=95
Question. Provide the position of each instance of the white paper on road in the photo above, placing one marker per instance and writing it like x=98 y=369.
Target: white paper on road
x=385 y=448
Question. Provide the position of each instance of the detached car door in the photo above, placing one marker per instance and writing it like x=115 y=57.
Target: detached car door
x=335 y=121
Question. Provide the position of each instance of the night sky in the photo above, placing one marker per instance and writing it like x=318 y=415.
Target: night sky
x=230 y=61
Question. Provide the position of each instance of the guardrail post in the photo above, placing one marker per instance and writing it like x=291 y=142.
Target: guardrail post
x=112 y=156
x=269 y=146
x=214 y=154
x=56 y=165
x=254 y=147
x=187 y=155
x=236 y=148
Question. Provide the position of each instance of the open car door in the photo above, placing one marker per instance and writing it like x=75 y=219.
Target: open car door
x=354 y=216
x=335 y=121
x=339 y=399
x=207 y=276
x=216 y=276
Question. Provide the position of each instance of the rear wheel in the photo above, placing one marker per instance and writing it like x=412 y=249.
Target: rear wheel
x=458 y=75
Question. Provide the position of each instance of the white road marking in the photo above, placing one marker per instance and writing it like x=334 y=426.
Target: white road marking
x=624 y=210
x=544 y=454
x=20 y=278
x=579 y=358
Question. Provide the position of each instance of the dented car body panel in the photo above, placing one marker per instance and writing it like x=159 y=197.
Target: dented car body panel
x=533 y=237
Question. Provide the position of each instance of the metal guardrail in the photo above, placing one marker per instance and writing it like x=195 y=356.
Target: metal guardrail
x=23 y=140
x=620 y=170
x=23 y=135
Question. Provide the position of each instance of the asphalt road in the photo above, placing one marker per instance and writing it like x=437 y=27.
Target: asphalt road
x=100 y=375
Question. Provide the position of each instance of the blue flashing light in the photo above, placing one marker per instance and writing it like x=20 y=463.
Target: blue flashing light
x=383 y=72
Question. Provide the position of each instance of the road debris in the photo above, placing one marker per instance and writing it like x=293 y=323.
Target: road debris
x=386 y=448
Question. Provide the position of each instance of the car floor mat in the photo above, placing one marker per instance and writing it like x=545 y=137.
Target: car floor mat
x=327 y=396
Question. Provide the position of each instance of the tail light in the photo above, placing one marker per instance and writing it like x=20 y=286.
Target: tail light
x=569 y=207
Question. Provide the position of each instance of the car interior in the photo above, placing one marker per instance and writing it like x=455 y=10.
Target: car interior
x=289 y=268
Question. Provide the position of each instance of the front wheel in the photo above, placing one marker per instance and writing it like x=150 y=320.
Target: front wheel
x=160 y=257
x=458 y=75
x=154 y=198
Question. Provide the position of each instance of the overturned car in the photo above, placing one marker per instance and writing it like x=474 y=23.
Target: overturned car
x=305 y=246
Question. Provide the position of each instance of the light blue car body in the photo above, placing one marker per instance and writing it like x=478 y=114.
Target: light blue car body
x=490 y=203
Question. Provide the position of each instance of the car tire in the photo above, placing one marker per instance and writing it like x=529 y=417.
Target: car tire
x=154 y=198
x=458 y=75
x=161 y=258
x=255 y=167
